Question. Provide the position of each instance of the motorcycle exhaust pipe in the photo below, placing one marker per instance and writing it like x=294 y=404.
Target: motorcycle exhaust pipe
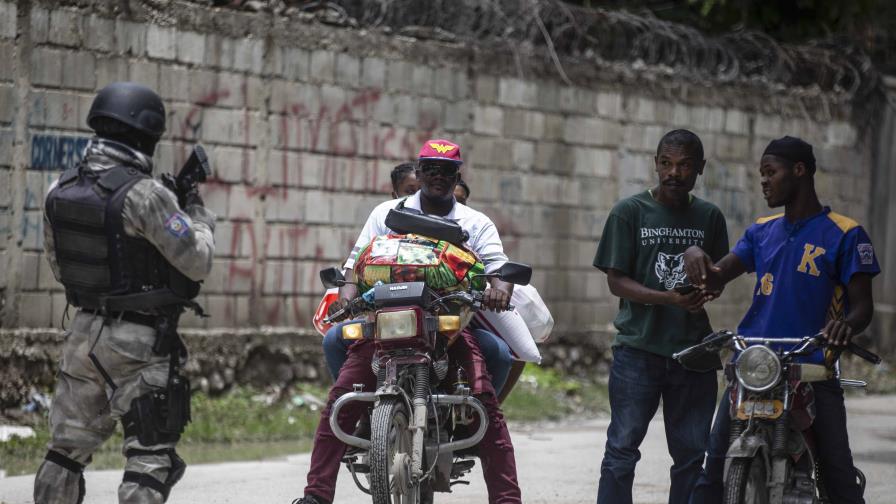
x=459 y=400
x=346 y=438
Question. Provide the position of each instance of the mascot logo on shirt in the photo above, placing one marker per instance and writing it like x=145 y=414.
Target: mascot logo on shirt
x=670 y=270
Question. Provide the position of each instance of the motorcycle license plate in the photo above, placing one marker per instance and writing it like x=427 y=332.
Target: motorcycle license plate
x=760 y=409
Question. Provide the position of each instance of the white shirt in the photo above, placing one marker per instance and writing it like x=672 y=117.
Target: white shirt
x=484 y=240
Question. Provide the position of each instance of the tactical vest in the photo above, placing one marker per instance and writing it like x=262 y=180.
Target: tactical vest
x=101 y=267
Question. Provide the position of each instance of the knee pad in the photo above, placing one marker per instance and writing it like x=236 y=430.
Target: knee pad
x=70 y=465
x=175 y=471
x=159 y=416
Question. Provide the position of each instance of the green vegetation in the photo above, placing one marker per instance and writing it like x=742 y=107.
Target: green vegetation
x=246 y=425
x=881 y=379
x=543 y=394
x=241 y=425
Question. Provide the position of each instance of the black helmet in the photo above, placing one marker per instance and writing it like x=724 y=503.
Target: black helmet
x=132 y=104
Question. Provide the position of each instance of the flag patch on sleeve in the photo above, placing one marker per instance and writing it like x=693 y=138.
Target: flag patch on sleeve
x=177 y=225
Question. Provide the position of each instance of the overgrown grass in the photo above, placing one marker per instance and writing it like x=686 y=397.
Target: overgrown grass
x=241 y=425
x=543 y=394
x=246 y=425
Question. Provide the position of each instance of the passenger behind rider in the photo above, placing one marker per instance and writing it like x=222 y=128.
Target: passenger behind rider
x=498 y=358
x=404 y=180
x=438 y=172
x=461 y=192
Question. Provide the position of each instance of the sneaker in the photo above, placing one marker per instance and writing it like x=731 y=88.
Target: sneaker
x=309 y=499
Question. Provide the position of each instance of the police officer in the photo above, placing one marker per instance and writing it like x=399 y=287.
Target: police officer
x=130 y=253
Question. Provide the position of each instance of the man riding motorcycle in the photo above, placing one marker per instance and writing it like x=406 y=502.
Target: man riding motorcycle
x=437 y=171
x=813 y=269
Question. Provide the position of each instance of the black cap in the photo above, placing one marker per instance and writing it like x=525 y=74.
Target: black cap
x=792 y=149
x=132 y=104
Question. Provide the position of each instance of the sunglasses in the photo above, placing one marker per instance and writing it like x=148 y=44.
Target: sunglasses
x=442 y=169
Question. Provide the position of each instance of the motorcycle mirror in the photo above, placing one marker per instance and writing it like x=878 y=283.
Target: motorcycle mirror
x=515 y=273
x=332 y=277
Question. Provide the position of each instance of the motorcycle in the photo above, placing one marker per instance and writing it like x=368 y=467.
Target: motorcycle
x=771 y=456
x=420 y=421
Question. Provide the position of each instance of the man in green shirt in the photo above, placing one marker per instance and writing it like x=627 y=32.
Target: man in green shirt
x=641 y=251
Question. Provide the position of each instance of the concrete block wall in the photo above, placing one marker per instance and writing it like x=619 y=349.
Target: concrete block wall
x=303 y=130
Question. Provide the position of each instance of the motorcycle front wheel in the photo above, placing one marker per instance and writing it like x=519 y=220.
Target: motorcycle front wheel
x=746 y=482
x=390 y=454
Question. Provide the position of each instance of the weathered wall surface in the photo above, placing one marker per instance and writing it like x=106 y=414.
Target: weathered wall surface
x=304 y=122
x=883 y=224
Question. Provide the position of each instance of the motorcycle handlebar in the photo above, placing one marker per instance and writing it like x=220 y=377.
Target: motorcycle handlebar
x=863 y=353
x=474 y=300
x=344 y=313
x=819 y=340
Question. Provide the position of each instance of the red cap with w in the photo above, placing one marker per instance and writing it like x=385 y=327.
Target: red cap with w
x=440 y=150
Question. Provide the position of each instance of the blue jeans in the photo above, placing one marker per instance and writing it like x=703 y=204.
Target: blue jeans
x=495 y=351
x=498 y=358
x=336 y=348
x=638 y=380
x=832 y=443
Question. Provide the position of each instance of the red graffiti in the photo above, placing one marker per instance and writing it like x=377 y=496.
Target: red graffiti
x=333 y=147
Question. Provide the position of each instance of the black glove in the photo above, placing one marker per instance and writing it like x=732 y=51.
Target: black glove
x=168 y=181
x=192 y=198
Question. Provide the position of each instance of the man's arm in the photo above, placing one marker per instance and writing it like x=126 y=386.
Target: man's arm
x=183 y=236
x=625 y=287
x=710 y=277
x=372 y=228
x=498 y=297
x=49 y=239
x=487 y=245
x=861 y=309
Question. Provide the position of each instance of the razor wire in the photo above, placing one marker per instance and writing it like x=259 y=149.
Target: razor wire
x=568 y=33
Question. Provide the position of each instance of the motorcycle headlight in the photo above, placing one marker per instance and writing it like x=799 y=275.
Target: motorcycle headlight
x=758 y=368
x=396 y=324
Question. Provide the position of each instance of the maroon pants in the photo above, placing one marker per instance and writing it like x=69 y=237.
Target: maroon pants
x=495 y=449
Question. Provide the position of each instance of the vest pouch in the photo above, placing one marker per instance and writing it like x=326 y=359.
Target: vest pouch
x=147 y=419
x=159 y=416
x=178 y=414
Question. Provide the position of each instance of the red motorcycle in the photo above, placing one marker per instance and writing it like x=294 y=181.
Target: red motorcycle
x=771 y=456
x=422 y=410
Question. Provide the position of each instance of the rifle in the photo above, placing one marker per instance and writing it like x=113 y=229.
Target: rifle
x=194 y=172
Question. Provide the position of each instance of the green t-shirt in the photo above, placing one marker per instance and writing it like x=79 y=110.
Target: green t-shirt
x=646 y=241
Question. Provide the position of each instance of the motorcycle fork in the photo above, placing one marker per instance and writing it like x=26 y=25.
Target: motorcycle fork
x=392 y=385
x=418 y=425
x=779 y=456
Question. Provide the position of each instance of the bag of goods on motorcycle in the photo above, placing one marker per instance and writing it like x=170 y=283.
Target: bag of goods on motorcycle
x=443 y=266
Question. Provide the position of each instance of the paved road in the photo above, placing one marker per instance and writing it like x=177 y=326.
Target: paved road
x=558 y=464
